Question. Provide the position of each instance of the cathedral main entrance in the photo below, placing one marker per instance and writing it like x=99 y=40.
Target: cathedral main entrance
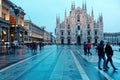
x=68 y=41
x=78 y=40
x=62 y=41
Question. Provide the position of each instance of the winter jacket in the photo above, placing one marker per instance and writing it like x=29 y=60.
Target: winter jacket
x=101 y=50
x=108 y=50
x=89 y=45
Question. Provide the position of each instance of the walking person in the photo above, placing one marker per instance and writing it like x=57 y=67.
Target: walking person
x=85 y=48
x=89 y=47
x=32 y=46
x=35 y=47
x=109 y=53
x=101 y=55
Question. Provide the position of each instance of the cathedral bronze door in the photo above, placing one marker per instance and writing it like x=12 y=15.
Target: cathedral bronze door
x=78 y=40
x=68 y=41
x=62 y=41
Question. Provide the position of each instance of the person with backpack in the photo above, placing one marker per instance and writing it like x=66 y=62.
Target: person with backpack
x=85 y=48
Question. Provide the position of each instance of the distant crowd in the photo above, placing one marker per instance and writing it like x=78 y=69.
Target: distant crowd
x=33 y=46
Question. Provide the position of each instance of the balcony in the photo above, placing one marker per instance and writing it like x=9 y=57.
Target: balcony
x=3 y=21
x=62 y=28
x=68 y=29
x=89 y=36
x=69 y=36
x=96 y=37
x=62 y=37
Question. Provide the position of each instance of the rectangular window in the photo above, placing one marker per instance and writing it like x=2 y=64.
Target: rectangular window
x=88 y=25
x=3 y=15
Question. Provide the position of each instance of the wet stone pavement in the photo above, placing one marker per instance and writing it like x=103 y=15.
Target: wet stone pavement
x=60 y=63
x=7 y=59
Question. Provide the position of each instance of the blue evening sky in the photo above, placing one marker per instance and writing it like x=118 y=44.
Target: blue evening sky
x=43 y=12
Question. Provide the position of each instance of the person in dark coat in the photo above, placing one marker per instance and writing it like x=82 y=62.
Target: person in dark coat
x=109 y=53
x=35 y=47
x=101 y=55
x=85 y=48
x=40 y=45
x=32 y=46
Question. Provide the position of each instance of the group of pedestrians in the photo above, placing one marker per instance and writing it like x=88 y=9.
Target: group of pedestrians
x=35 y=45
x=103 y=52
x=87 y=47
x=101 y=55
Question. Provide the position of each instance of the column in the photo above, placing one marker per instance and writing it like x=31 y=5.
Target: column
x=0 y=8
x=0 y=34
x=23 y=37
x=18 y=34
x=8 y=35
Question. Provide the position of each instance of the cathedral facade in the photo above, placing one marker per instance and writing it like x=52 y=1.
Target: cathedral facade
x=79 y=27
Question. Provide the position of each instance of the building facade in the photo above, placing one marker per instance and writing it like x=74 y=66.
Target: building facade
x=17 y=30
x=11 y=22
x=79 y=27
x=113 y=38
x=4 y=21
x=47 y=37
x=37 y=34
x=52 y=40
x=33 y=32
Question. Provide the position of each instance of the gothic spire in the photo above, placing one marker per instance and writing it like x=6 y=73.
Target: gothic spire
x=82 y=4
x=92 y=13
x=101 y=18
x=65 y=15
x=73 y=6
x=85 y=5
x=57 y=19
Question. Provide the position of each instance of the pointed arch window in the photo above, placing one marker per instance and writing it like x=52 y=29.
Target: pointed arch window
x=78 y=27
x=78 y=18
x=95 y=32
x=68 y=33
x=88 y=32
x=68 y=26
x=88 y=25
